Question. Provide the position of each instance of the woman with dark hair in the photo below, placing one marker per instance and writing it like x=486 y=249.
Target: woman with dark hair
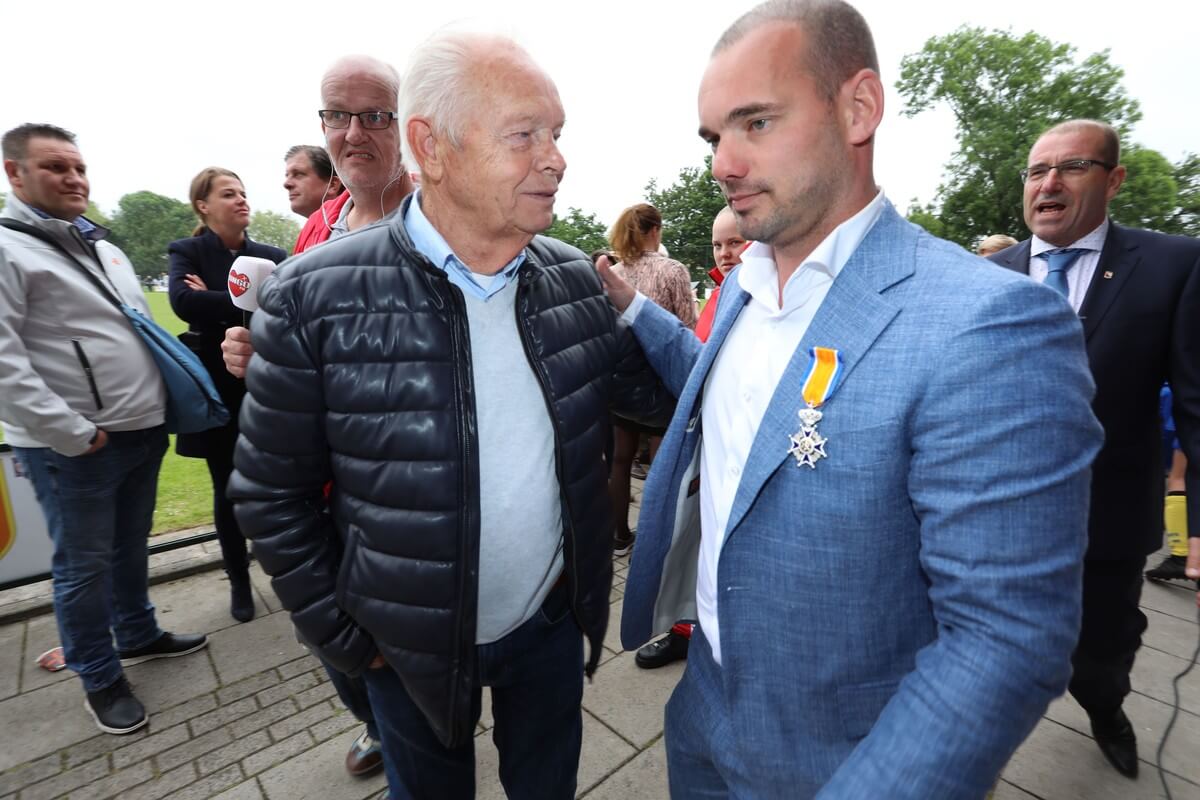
x=636 y=239
x=197 y=282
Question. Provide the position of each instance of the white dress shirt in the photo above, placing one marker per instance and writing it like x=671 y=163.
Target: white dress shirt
x=745 y=375
x=1079 y=274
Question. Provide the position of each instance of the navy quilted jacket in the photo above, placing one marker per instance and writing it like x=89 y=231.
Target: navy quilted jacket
x=362 y=378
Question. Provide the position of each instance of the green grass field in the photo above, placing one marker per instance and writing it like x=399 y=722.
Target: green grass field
x=184 y=488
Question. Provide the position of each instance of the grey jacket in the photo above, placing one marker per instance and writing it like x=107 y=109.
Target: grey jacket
x=69 y=360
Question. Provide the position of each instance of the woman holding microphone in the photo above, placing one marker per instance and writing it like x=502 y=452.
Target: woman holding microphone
x=197 y=283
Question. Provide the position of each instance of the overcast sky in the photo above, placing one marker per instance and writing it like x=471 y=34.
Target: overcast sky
x=156 y=91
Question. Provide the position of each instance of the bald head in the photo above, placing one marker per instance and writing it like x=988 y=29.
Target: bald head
x=1109 y=139
x=727 y=243
x=839 y=42
x=357 y=67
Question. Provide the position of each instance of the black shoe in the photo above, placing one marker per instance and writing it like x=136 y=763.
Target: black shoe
x=667 y=650
x=1117 y=741
x=1171 y=569
x=638 y=470
x=241 y=598
x=168 y=645
x=115 y=709
x=622 y=545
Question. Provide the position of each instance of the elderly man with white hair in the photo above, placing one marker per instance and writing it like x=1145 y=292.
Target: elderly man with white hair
x=448 y=376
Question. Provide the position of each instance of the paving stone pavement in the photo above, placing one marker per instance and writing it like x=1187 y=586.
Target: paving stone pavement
x=253 y=717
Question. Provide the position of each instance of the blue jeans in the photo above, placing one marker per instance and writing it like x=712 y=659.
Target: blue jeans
x=352 y=691
x=99 y=509
x=536 y=676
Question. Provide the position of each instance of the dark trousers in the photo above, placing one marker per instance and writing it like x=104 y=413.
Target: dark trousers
x=536 y=677
x=1111 y=635
x=229 y=534
x=352 y=691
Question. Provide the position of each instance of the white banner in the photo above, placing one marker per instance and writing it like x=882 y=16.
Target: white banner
x=25 y=547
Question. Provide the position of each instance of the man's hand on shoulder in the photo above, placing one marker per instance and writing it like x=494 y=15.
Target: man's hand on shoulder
x=619 y=291
x=236 y=350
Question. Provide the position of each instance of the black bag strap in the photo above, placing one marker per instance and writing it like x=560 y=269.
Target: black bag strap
x=37 y=233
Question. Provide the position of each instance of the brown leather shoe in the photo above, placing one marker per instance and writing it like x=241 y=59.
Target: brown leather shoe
x=364 y=757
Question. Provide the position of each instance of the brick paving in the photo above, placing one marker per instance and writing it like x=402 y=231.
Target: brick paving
x=253 y=716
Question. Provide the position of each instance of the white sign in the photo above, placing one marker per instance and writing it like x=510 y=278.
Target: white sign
x=25 y=547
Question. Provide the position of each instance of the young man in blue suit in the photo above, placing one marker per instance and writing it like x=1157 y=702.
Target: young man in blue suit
x=867 y=389
x=1138 y=296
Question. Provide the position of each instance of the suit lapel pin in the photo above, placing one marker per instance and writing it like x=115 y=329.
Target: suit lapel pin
x=807 y=445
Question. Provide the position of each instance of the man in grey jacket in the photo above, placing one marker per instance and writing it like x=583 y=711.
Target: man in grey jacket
x=82 y=403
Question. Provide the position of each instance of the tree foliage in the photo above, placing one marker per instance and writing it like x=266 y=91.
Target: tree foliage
x=579 y=229
x=688 y=207
x=269 y=227
x=1004 y=90
x=144 y=224
x=97 y=216
x=1186 y=217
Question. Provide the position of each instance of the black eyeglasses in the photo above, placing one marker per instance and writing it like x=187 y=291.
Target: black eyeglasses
x=371 y=120
x=1067 y=169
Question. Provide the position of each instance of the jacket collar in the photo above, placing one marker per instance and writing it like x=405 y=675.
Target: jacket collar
x=853 y=315
x=1118 y=259
x=528 y=270
x=17 y=209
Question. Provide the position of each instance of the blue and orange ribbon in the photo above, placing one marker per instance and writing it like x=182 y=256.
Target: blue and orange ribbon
x=823 y=375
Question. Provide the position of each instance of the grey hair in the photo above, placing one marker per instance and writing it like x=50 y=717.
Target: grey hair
x=438 y=85
x=839 y=39
x=366 y=64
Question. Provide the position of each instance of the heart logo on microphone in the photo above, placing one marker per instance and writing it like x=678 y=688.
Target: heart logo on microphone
x=239 y=283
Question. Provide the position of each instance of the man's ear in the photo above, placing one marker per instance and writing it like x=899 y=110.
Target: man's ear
x=425 y=147
x=12 y=172
x=861 y=106
x=1115 y=178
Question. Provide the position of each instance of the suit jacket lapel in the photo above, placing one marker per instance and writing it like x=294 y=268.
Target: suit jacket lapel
x=1117 y=262
x=1015 y=258
x=850 y=319
x=732 y=299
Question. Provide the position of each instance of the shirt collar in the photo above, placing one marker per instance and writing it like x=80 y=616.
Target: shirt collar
x=759 y=274
x=86 y=227
x=341 y=225
x=1092 y=241
x=433 y=245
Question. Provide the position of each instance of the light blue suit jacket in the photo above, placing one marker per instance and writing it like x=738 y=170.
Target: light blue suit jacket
x=894 y=621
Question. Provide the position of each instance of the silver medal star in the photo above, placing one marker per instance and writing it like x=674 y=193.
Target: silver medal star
x=808 y=446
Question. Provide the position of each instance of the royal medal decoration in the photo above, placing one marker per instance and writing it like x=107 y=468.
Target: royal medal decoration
x=807 y=445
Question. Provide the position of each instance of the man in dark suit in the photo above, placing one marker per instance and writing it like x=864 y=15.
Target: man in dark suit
x=1138 y=296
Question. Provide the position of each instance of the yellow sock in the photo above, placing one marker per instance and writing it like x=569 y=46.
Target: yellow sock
x=1175 y=521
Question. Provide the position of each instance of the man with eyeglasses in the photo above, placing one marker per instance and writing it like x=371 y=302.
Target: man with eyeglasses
x=1137 y=294
x=359 y=98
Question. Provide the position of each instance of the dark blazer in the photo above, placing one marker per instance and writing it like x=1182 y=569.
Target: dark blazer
x=208 y=314
x=1141 y=319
